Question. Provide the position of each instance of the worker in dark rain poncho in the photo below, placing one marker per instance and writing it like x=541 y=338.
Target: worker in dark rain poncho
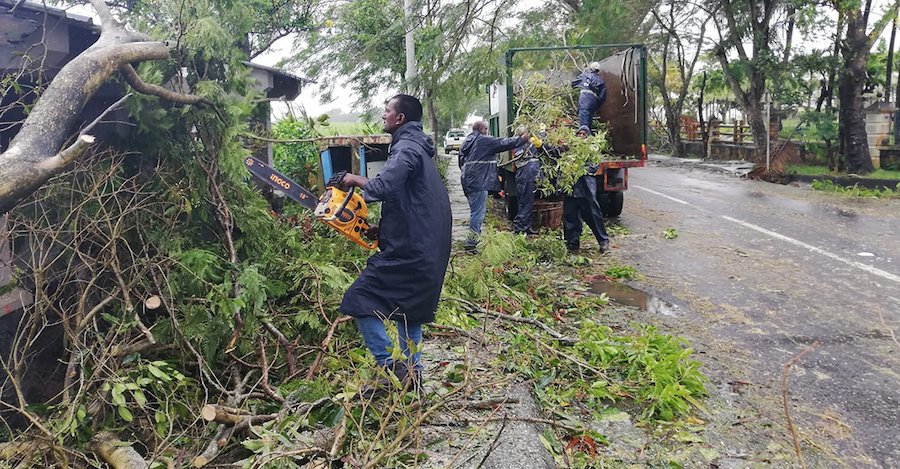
x=402 y=282
x=478 y=161
x=583 y=205
x=592 y=94
x=528 y=171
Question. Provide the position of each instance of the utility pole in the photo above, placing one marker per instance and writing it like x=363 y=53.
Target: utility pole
x=410 y=46
x=890 y=64
x=896 y=98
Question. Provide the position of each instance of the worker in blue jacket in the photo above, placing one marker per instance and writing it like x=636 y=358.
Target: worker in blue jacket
x=592 y=94
x=583 y=205
x=402 y=281
x=528 y=171
x=478 y=160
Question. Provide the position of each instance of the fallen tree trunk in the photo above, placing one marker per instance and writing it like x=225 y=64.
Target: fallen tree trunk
x=41 y=149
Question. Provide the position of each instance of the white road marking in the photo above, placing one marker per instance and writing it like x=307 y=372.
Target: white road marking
x=858 y=265
x=673 y=199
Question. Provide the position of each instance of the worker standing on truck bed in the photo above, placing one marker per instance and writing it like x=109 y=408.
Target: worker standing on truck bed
x=478 y=161
x=592 y=95
x=402 y=281
x=583 y=205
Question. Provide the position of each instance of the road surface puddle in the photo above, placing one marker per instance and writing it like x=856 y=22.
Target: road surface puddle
x=629 y=296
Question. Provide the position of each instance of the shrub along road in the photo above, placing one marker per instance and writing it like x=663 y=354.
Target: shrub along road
x=763 y=272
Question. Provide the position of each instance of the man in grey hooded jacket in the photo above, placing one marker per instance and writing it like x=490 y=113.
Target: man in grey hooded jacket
x=478 y=161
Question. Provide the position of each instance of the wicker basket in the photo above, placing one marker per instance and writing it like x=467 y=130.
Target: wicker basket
x=547 y=214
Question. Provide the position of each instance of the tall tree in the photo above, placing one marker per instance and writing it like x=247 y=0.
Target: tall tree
x=858 y=41
x=609 y=21
x=680 y=37
x=455 y=52
x=740 y=22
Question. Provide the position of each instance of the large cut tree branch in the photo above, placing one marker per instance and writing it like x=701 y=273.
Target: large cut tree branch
x=141 y=86
x=37 y=152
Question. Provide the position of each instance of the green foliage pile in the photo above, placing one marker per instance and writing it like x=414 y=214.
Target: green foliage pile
x=549 y=111
x=649 y=370
x=626 y=272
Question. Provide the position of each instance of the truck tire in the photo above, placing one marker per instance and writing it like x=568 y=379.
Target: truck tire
x=512 y=207
x=616 y=202
x=611 y=203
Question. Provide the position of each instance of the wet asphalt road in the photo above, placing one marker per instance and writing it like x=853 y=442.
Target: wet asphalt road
x=762 y=272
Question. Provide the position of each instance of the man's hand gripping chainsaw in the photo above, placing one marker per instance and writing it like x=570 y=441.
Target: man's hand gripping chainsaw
x=345 y=210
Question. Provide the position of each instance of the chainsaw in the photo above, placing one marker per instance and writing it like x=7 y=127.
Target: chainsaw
x=345 y=211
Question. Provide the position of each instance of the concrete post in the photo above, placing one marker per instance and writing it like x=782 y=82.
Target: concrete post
x=878 y=129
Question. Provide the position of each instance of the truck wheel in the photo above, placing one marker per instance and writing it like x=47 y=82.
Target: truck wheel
x=603 y=200
x=616 y=202
x=512 y=207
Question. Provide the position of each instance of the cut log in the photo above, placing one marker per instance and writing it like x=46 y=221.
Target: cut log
x=222 y=414
x=153 y=302
x=116 y=453
x=14 y=449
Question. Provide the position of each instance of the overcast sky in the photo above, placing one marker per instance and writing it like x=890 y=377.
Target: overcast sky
x=309 y=99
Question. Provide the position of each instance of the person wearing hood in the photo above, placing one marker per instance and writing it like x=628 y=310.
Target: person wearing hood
x=528 y=173
x=583 y=205
x=402 y=282
x=592 y=94
x=478 y=161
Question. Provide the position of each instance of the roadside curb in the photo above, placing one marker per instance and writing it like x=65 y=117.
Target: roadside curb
x=742 y=168
x=736 y=168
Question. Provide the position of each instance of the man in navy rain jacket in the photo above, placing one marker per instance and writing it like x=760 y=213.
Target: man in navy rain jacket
x=528 y=172
x=583 y=205
x=592 y=94
x=402 y=282
x=478 y=160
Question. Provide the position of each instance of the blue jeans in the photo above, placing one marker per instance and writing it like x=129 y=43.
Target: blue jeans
x=477 y=207
x=378 y=342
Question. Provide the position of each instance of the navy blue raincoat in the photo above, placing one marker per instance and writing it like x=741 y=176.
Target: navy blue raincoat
x=403 y=280
x=478 y=157
x=591 y=83
x=592 y=96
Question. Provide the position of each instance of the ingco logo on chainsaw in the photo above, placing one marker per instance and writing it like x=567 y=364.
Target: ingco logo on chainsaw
x=281 y=182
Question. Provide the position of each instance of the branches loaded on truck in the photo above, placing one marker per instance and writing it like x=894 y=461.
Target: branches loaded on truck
x=620 y=124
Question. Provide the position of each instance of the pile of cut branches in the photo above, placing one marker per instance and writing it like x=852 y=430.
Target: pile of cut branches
x=549 y=111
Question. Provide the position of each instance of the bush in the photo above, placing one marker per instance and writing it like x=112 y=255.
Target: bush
x=298 y=161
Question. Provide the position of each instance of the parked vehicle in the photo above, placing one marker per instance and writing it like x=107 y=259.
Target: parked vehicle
x=453 y=140
x=624 y=69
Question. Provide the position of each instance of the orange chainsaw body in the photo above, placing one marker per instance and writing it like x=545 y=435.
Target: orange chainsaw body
x=346 y=212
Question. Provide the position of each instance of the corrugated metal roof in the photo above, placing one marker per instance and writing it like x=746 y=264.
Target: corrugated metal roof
x=41 y=8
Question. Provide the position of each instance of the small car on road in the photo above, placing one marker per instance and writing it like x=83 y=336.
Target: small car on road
x=453 y=140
